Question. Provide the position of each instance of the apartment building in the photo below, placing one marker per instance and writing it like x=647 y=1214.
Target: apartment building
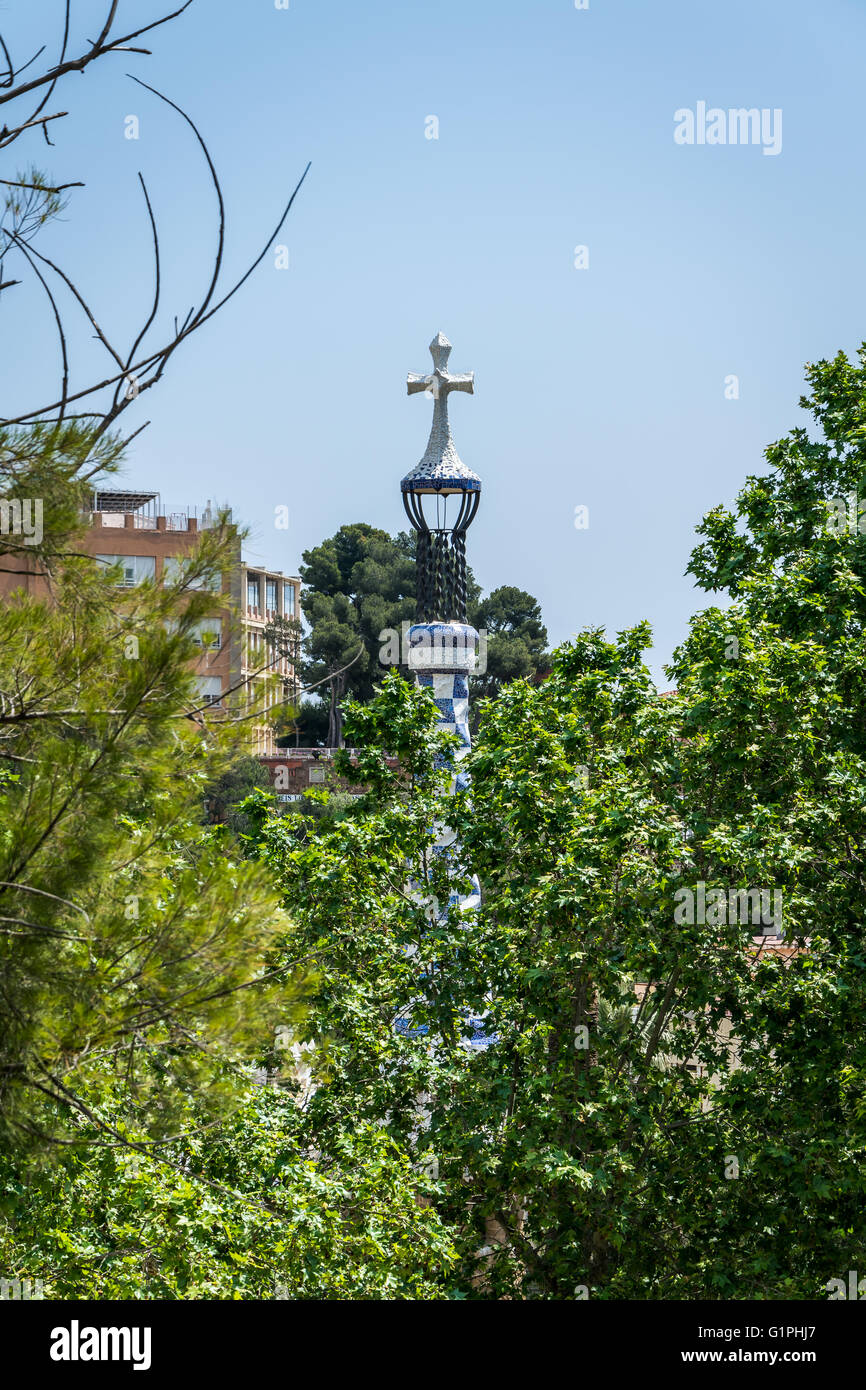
x=151 y=543
x=133 y=530
x=269 y=677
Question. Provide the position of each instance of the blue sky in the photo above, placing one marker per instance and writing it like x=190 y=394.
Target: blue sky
x=602 y=387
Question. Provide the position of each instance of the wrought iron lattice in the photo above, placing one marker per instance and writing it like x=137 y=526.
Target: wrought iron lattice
x=441 y=562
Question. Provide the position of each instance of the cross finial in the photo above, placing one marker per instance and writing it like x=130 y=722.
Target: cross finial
x=440 y=380
x=441 y=464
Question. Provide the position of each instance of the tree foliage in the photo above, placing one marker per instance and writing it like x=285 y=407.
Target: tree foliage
x=360 y=593
x=673 y=1107
x=132 y=938
x=127 y=929
x=516 y=639
x=139 y=974
x=241 y=1214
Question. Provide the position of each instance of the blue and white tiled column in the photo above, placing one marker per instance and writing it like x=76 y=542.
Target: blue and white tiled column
x=442 y=656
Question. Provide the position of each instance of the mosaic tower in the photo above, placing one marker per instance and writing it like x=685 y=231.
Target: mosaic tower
x=442 y=644
x=441 y=497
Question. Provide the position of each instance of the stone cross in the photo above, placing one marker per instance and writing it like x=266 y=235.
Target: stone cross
x=440 y=453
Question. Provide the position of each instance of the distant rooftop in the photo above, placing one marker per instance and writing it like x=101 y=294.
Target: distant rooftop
x=147 y=506
x=264 y=569
x=118 y=500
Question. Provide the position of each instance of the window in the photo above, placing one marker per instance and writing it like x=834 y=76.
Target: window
x=210 y=688
x=135 y=568
x=208 y=634
x=174 y=568
x=317 y=774
x=289 y=600
x=252 y=593
x=271 y=595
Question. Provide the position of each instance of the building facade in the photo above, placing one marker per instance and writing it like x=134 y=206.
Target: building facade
x=294 y=771
x=269 y=676
x=132 y=530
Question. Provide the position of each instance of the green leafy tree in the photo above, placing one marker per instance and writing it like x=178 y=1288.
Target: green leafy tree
x=775 y=777
x=242 y=1212
x=224 y=795
x=138 y=980
x=126 y=927
x=356 y=584
x=673 y=1106
x=360 y=591
x=142 y=977
x=748 y=1178
x=128 y=930
x=516 y=638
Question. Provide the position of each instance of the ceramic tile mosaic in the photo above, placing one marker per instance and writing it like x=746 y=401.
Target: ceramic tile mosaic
x=444 y=655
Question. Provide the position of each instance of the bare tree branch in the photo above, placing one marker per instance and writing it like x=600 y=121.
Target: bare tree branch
x=25 y=250
x=40 y=187
x=7 y=135
x=148 y=369
x=98 y=49
x=12 y=73
x=72 y=288
x=134 y=349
